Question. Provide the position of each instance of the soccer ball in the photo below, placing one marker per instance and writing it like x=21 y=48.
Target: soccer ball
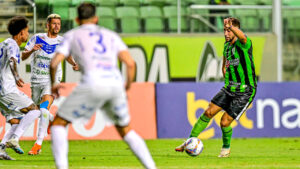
x=194 y=146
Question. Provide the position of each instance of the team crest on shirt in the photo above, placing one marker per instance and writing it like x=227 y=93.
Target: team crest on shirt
x=234 y=62
x=45 y=46
x=233 y=50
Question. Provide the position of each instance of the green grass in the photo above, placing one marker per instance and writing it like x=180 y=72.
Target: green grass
x=245 y=153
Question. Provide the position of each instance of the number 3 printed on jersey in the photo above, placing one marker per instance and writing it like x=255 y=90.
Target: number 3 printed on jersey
x=100 y=48
x=1 y=53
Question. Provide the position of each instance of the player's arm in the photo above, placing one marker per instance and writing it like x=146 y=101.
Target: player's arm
x=53 y=67
x=26 y=53
x=71 y=60
x=126 y=58
x=14 y=70
x=223 y=66
x=240 y=34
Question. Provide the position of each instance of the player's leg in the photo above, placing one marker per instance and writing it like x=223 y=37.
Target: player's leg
x=31 y=113
x=80 y=104
x=60 y=142
x=117 y=109
x=137 y=146
x=204 y=119
x=220 y=101
x=13 y=118
x=226 y=120
x=3 y=153
x=237 y=106
x=201 y=123
x=7 y=135
x=20 y=103
x=13 y=123
x=45 y=104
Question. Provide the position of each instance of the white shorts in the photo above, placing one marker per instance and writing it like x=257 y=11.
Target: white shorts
x=38 y=90
x=84 y=100
x=12 y=103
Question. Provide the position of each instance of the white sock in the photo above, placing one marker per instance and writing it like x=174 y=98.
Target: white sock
x=43 y=126
x=26 y=121
x=51 y=117
x=139 y=148
x=9 y=133
x=60 y=146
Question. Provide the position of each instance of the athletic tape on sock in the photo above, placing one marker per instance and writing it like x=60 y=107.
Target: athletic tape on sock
x=44 y=104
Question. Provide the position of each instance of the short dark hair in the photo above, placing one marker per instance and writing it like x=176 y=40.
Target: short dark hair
x=17 y=24
x=86 y=10
x=235 y=22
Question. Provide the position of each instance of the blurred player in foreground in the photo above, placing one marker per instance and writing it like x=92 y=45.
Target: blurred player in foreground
x=14 y=102
x=240 y=85
x=97 y=51
x=41 y=48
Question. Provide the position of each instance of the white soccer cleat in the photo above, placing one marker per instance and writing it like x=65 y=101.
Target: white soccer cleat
x=4 y=155
x=225 y=152
x=181 y=147
x=14 y=144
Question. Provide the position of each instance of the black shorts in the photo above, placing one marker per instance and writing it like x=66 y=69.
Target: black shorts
x=234 y=103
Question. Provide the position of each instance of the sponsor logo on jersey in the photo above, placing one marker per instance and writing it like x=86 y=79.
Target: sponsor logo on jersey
x=49 y=49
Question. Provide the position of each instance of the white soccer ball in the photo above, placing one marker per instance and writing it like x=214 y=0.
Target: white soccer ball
x=194 y=146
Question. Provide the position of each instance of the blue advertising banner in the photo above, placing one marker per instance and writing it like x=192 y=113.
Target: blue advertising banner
x=275 y=111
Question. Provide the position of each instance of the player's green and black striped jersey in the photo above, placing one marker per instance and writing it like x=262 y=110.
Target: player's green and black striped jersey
x=240 y=70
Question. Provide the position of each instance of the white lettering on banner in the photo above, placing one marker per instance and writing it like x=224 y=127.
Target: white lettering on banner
x=284 y=119
x=159 y=69
x=210 y=65
x=101 y=120
x=159 y=65
x=140 y=59
x=261 y=104
x=293 y=112
x=98 y=126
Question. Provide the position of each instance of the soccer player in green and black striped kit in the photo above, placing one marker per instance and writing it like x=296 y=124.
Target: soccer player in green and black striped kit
x=240 y=85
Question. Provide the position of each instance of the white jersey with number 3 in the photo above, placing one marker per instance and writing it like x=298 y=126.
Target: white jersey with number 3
x=96 y=51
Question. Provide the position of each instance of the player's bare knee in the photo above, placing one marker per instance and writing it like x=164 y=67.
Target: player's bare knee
x=224 y=123
x=208 y=113
x=123 y=130
x=14 y=121
x=29 y=108
x=58 y=121
x=33 y=107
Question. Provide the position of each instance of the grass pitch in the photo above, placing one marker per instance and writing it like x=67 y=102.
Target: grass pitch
x=245 y=153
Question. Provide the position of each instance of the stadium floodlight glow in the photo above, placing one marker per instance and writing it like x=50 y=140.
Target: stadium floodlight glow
x=34 y=14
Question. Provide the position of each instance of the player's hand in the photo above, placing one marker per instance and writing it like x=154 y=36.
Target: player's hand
x=224 y=71
x=55 y=90
x=76 y=67
x=227 y=23
x=20 y=82
x=127 y=86
x=37 y=47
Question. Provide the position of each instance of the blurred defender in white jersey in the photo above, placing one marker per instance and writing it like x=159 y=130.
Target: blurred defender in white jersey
x=97 y=51
x=41 y=49
x=12 y=101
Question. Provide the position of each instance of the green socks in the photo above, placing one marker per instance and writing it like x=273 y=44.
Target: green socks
x=200 y=125
x=227 y=133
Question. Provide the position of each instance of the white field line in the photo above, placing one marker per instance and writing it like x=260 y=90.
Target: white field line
x=163 y=167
